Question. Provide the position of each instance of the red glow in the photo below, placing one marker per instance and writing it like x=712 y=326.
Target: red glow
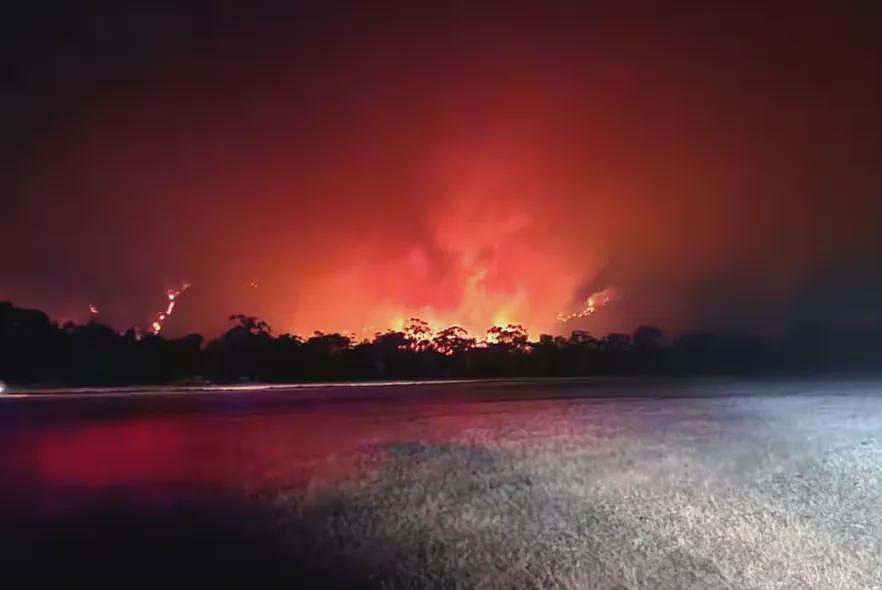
x=474 y=167
x=152 y=459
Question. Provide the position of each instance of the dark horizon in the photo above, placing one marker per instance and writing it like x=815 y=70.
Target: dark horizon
x=37 y=351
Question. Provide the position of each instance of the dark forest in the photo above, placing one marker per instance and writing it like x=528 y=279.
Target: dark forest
x=35 y=350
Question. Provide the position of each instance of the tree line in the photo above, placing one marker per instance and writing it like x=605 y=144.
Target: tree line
x=36 y=350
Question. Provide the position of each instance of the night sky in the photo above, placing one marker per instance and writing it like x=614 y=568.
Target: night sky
x=343 y=166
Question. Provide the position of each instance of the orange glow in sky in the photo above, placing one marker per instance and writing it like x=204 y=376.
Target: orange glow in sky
x=599 y=165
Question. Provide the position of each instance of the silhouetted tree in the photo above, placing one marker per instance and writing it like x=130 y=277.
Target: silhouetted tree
x=243 y=351
x=250 y=324
x=33 y=349
x=391 y=354
x=419 y=334
x=513 y=337
x=453 y=340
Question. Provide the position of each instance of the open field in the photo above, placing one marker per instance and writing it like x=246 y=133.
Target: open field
x=537 y=485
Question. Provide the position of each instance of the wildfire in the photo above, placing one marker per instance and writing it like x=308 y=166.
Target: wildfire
x=162 y=316
x=595 y=302
x=93 y=309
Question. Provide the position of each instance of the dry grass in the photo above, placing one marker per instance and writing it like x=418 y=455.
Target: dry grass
x=744 y=493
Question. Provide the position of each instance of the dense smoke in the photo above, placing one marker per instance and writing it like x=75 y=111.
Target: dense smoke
x=466 y=166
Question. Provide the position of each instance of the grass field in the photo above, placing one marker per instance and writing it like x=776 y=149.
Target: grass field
x=782 y=492
x=595 y=484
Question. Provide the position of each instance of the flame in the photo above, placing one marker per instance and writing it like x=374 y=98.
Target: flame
x=162 y=316
x=501 y=319
x=593 y=304
x=93 y=309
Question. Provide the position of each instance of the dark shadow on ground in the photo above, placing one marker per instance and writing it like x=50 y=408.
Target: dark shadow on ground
x=113 y=544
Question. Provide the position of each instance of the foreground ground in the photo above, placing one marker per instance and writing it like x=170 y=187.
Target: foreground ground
x=747 y=486
x=783 y=493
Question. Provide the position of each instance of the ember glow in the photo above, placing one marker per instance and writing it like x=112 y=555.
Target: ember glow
x=594 y=303
x=162 y=316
